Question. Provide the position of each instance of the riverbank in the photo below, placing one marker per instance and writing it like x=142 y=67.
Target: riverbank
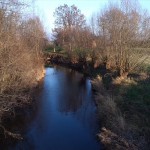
x=62 y=60
x=124 y=111
x=85 y=67
x=14 y=109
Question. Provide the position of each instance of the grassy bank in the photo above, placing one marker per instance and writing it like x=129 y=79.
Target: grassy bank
x=124 y=110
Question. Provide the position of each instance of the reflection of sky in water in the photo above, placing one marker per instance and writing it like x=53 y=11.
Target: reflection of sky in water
x=66 y=118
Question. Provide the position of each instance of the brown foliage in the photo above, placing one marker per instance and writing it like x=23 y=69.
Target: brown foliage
x=21 y=63
x=122 y=30
x=117 y=37
x=71 y=32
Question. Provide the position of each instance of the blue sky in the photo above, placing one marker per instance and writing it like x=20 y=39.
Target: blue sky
x=45 y=9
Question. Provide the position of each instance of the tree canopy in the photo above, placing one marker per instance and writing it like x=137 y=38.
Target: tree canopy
x=68 y=16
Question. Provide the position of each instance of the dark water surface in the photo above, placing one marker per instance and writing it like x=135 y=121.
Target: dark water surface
x=66 y=118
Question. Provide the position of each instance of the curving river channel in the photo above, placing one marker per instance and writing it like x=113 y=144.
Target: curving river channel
x=66 y=118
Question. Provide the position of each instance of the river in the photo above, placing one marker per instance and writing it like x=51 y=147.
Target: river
x=66 y=117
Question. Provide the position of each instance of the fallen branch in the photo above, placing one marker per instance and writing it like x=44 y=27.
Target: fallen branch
x=112 y=141
x=10 y=134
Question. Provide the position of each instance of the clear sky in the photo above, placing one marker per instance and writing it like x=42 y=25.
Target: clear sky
x=45 y=9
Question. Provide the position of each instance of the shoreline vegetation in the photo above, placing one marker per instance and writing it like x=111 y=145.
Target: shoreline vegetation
x=21 y=62
x=124 y=111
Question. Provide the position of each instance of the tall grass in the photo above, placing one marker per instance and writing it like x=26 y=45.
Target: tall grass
x=125 y=109
x=107 y=107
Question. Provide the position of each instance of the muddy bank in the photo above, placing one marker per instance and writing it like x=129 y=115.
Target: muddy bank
x=86 y=67
x=66 y=62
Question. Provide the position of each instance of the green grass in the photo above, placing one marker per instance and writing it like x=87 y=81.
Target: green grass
x=50 y=48
x=145 y=67
x=135 y=105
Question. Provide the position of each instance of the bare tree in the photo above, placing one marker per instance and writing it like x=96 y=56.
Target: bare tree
x=67 y=17
x=119 y=29
x=68 y=20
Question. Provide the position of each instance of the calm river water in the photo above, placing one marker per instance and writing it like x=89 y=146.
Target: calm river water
x=66 y=117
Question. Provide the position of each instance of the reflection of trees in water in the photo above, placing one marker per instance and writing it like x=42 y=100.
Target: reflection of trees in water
x=73 y=93
x=76 y=97
x=87 y=115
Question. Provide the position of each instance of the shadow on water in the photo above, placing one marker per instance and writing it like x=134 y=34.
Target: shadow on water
x=66 y=117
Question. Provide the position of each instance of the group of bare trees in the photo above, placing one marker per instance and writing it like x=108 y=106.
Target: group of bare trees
x=71 y=32
x=116 y=37
x=122 y=30
x=21 y=42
